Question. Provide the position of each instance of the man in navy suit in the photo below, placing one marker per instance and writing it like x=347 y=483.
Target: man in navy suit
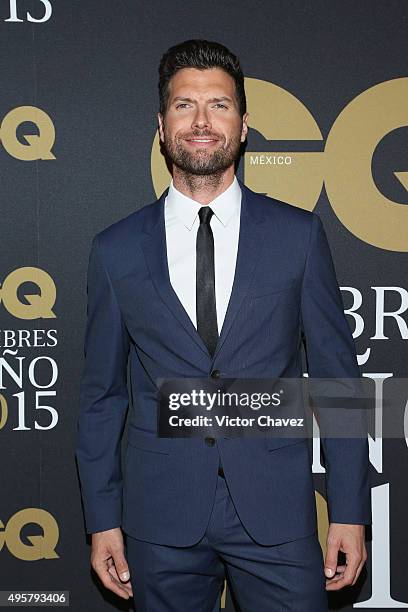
x=213 y=280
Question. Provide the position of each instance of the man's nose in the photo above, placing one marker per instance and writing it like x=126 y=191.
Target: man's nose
x=201 y=119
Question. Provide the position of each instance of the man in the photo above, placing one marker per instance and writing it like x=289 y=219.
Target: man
x=213 y=280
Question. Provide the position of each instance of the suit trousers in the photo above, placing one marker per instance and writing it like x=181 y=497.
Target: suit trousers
x=282 y=577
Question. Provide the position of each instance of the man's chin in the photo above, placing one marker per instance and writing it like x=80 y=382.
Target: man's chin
x=200 y=171
x=205 y=168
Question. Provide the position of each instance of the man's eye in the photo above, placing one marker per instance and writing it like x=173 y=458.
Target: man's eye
x=182 y=104
x=220 y=104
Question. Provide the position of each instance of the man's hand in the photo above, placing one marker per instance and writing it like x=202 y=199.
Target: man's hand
x=349 y=539
x=108 y=561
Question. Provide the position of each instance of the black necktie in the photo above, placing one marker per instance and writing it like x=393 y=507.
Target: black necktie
x=205 y=282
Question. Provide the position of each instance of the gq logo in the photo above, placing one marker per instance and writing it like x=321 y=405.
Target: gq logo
x=37 y=146
x=42 y=546
x=39 y=306
x=344 y=167
x=47 y=12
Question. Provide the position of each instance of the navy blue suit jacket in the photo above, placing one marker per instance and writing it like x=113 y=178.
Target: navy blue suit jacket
x=285 y=289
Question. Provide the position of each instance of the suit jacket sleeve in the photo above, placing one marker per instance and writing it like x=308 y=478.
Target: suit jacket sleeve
x=103 y=400
x=330 y=352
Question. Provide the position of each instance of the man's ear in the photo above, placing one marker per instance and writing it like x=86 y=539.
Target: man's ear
x=161 y=126
x=244 y=131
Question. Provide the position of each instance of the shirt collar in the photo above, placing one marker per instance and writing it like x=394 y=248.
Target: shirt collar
x=225 y=206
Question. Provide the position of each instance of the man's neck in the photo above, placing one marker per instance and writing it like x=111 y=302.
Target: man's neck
x=202 y=189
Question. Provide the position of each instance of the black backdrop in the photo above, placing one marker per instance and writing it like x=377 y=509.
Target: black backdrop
x=87 y=69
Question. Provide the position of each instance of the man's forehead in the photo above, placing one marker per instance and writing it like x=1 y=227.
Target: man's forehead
x=214 y=81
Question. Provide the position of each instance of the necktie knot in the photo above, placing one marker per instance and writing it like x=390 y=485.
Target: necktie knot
x=205 y=213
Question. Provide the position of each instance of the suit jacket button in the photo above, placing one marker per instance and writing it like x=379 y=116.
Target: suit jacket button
x=215 y=374
x=209 y=441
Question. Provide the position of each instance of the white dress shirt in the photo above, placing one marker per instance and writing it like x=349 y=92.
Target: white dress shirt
x=182 y=222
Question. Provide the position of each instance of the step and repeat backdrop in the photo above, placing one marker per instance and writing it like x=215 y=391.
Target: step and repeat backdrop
x=327 y=91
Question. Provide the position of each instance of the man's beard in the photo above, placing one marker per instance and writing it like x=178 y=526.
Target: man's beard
x=202 y=162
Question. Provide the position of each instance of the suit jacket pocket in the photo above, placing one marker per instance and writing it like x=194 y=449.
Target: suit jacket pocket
x=275 y=443
x=148 y=441
x=270 y=288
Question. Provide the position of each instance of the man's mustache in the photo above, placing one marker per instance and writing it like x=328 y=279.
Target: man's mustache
x=194 y=135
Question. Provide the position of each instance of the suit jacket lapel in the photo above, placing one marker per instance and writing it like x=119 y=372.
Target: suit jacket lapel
x=155 y=250
x=251 y=238
x=154 y=246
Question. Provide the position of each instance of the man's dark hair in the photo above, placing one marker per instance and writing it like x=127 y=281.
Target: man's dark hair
x=200 y=54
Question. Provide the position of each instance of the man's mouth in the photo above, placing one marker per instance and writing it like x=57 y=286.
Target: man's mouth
x=202 y=141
